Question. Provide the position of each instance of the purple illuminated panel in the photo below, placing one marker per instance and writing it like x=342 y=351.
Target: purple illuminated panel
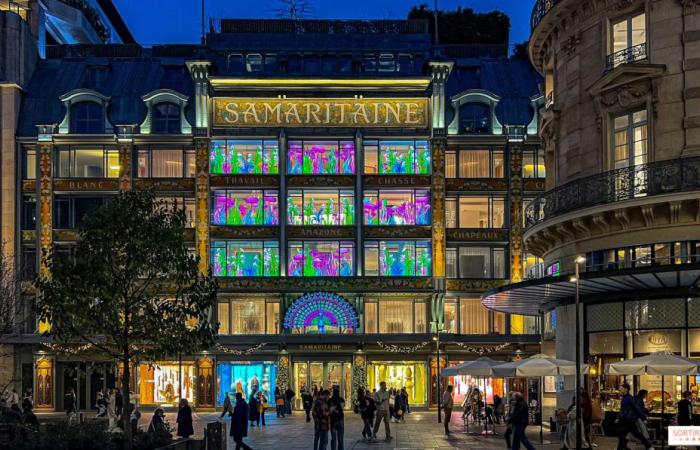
x=405 y=207
x=321 y=158
x=254 y=207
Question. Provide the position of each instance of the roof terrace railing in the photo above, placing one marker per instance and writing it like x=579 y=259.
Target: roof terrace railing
x=540 y=10
x=644 y=180
x=417 y=26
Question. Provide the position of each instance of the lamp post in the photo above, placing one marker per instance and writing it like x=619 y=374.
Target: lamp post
x=579 y=260
x=436 y=338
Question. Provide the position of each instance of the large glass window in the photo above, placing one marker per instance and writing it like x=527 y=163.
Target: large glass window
x=243 y=157
x=397 y=207
x=630 y=139
x=87 y=163
x=166 y=118
x=524 y=324
x=398 y=258
x=70 y=211
x=320 y=259
x=533 y=163
x=321 y=157
x=475 y=118
x=397 y=157
x=475 y=212
x=474 y=163
x=396 y=316
x=29 y=212
x=320 y=207
x=245 y=207
x=166 y=163
x=29 y=172
x=628 y=40
x=474 y=318
x=475 y=262
x=87 y=117
x=185 y=204
x=665 y=253
x=245 y=258
x=251 y=316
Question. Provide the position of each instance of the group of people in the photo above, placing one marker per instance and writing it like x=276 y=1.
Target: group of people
x=14 y=410
x=109 y=404
x=257 y=406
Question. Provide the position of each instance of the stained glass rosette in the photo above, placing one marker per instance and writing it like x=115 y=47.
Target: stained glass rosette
x=320 y=313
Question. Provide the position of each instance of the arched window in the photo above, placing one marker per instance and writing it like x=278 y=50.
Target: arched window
x=475 y=118
x=166 y=118
x=87 y=117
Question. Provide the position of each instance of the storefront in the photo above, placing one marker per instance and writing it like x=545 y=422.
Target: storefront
x=400 y=374
x=159 y=384
x=245 y=377
x=322 y=375
x=487 y=386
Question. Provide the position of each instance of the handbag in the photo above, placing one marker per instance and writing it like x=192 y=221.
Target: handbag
x=279 y=402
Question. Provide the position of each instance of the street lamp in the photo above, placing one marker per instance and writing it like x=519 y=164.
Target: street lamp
x=575 y=279
x=436 y=338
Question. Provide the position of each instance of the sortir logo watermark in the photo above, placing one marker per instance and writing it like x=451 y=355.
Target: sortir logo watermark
x=684 y=436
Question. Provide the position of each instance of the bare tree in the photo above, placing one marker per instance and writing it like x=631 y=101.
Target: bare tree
x=11 y=316
x=293 y=9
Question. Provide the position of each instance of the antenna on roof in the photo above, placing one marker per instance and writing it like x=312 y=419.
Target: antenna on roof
x=204 y=35
x=435 y=17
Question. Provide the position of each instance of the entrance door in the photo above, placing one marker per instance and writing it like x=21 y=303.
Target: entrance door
x=322 y=375
x=43 y=395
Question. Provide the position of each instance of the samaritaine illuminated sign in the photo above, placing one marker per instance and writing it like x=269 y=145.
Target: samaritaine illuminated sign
x=325 y=112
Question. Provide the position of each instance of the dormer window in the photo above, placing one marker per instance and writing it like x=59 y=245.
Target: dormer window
x=87 y=118
x=475 y=118
x=166 y=118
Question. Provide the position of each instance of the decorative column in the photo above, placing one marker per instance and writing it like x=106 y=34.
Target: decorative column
x=125 y=138
x=438 y=205
x=282 y=158
x=202 y=202
x=516 y=212
x=283 y=363
x=200 y=71
x=359 y=195
x=45 y=196
x=359 y=373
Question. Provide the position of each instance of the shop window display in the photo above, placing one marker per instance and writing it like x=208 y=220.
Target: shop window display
x=245 y=258
x=320 y=207
x=397 y=157
x=487 y=386
x=253 y=207
x=246 y=378
x=410 y=375
x=321 y=158
x=398 y=258
x=244 y=157
x=320 y=259
x=159 y=384
x=410 y=207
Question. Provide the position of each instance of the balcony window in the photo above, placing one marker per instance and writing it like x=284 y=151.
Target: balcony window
x=320 y=207
x=630 y=139
x=87 y=163
x=533 y=163
x=166 y=118
x=476 y=262
x=370 y=64
x=245 y=207
x=244 y=157
x=474 y=164
x=87 y=118
x=405 y=63
x=396 y=207
x=386 y=63
x=165 y=163
x=398 y=258
x=475 y=212
x=254 y=63
x=70 y=211
x=245 y=258
x=184 y=204
x=328 y=64
x=29 y=172
x=475 y=118
x=629 y=41
x=397 y=157
x=320 y=259
x=321 y=158
x=271 y=63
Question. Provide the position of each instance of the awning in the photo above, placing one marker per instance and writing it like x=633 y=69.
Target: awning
x=530 y=297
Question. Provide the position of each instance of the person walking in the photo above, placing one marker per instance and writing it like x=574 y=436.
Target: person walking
x=289 y=395
x=322 y=420
x=518 y=420
x=381 y=400
x=13 y=398
x=366 y=409
x=336 y=404
x=279 y=402
x=447 y=405
x=239 y=422
x=227 y=406
x=586 y=413
x=69 y=402
x=404 y=400
x=307 y=400
x=253 y=411
x=118 y=402
x=685 y=410
x=262 y=406
x=630 y=412
x=184 y=419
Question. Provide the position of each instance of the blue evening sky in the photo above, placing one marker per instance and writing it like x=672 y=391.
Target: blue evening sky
x=179 y=21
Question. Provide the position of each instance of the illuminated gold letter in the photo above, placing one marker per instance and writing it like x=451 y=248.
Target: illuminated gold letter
x=231 y=115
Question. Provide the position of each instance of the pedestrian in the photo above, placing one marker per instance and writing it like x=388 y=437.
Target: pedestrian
x=509 y=427
x=279 y=402
x=28 y=397
x=289 y=395
x=239 y=422
x=392 y=403
x=404 y=400
x=630 y=412
x=381 y=400
x=253 y=411
x=118 y=402
x=447 y=405
x=498 y=408
x=569 y=441
x=228 y=408
x=366 y=408
x=519 y=420
x=399 y=407
x=262 y=406
x=184 y=419
x=586 y=413
x=685 y=410
x=336 y=404
x=322 y=420
x=101 y=405
x=69 y=402
x=157 y=424
x=134 y=416
x=13 y=398
x=28 y=416
x=307 y=400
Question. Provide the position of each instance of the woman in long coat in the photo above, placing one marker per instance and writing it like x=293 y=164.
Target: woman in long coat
x=184 y=420
x=253 y=412
x=239 y=422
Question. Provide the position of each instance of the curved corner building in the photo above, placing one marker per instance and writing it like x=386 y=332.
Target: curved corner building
x=621 y=133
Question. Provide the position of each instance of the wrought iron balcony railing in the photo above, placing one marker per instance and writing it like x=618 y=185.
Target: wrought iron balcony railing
x=656 y=178
x=540 y=10
x=627 y=56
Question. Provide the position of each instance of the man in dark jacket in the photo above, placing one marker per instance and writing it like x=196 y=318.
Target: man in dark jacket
x=308 y=400
x=630 y=411
x=518 y=420
x=289 y=395
x=685 y=410
x=239 y=422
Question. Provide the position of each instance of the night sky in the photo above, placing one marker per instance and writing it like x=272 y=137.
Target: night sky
x=179 y=21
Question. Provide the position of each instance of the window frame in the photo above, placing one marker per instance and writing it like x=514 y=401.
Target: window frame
x=379 y=147
x=107 y=152
x=166 y=123
x=72 y=219
x=493 y=156
x=91 y=107
x=377 y=244
x=536 y=153
x=304 y=192
x=301 y=243
x=262 y=193
x=490 y=206
x=264 y=244
x=453 y=250
x=378 y=193
x=231 y=321
x=188 y=156
x=629 y=129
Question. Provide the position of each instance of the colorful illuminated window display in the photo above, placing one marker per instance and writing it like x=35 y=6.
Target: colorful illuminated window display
x=315 y=207
x=397 y=157
x=244 y=157
x=321 y=313
x=410 y=375
x=252 y=207
x=398 y=258
x=320 y=259
x=245 y=258
x=160 y=383
x=246 y=378
x=406 y=207
x=487 y=386
x=321 y=157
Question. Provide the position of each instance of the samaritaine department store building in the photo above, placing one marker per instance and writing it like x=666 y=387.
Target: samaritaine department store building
x=353 y=188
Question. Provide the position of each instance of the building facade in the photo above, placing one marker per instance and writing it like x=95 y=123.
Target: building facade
x=353 y=188
x=621 y=136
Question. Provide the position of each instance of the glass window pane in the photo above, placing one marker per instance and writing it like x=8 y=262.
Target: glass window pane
x=473 y=316
x=166 y=163
x=451 y=165
x=498 y=164
x=248 y=317
x=451 y=212
x=113 y=164
x=420 y=315
x=371 y=159
x=620 y=36
x=190 y=163
x=450 y=317
x=30 y=165
x=474 y=164
x=474 y=262
x=370 y=317
x=272 y=317
x=395 y=316
x=64 y=167
x=498 y=212
x=224 y=317
x=474 y=212
x=88 y=163
x=371 y=260
x=143 y=164
x=639 y=35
